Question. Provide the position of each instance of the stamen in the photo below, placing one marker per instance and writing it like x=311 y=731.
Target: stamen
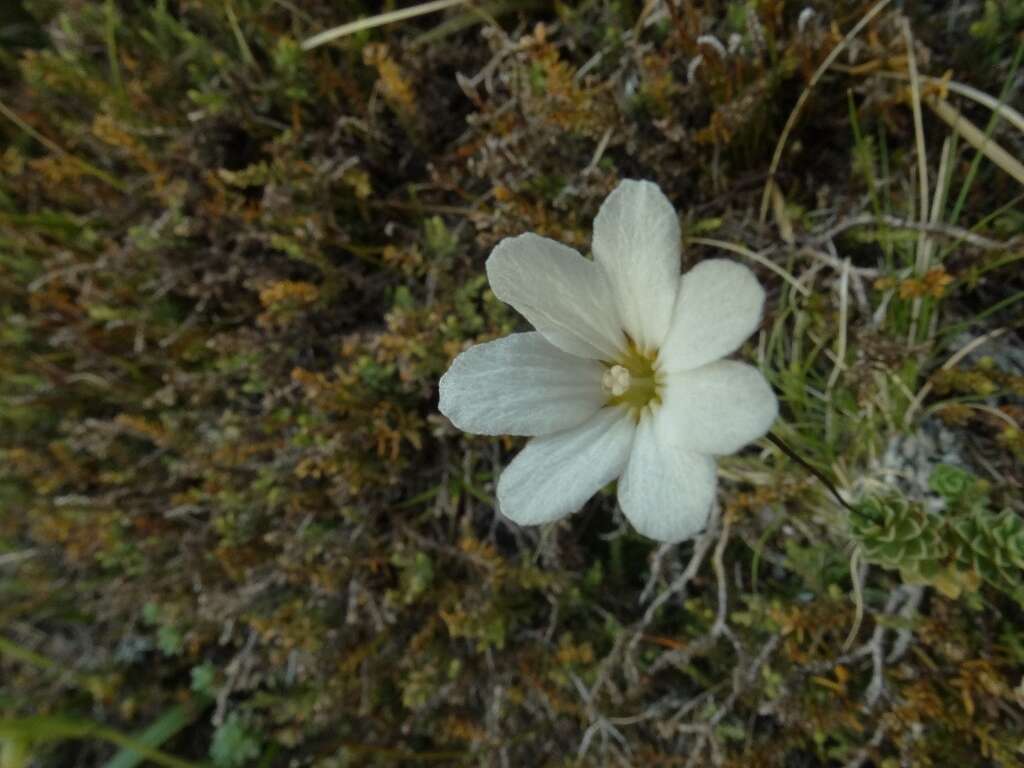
x=616 y=380
x=634 y=382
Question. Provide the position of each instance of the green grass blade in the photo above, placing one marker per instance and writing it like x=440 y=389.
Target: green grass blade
x=42 y=729
x=160 y=731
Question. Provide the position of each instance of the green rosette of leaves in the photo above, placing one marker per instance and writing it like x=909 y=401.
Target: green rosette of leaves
x=900 y=535
x=950 y=482
x=991 y=545
x=961 y=489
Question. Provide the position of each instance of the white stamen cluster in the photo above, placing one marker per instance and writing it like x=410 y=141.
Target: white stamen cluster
x=616 y=381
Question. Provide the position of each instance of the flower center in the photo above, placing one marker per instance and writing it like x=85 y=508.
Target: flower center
x=633 y=381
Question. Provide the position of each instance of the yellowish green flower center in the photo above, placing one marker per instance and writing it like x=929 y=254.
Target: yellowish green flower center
x=633 y=380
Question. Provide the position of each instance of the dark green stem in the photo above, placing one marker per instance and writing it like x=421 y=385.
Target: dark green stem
x=818 y=474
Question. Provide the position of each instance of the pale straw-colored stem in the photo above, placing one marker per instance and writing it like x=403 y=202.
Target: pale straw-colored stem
x=381 y=19
x=742 y=250
x=977 y=138
x=795 y=114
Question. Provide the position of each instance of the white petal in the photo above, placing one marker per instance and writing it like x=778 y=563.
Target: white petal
x=717 y=408
x=718 y=307
x=565 y=296
x=554 y=475
x=666 y=491
x=520 y=385
x=636 y=240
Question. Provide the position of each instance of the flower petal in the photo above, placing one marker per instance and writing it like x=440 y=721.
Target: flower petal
x=520 y=385
x=554 y=475
x=717 y=408
x=718 y=307
x=666 y=491
x=636 y=241
x=565 y=296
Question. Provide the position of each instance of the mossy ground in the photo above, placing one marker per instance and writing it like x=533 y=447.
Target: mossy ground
x=233 y=526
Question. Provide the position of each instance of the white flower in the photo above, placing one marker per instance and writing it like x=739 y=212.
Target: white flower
x=623 y=377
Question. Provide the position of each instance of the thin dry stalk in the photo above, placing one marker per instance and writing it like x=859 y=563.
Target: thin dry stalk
x=742 y=250
x=977 y=138
x=1005 y=111
x=960 y=354
x=938 y=203
x=840 y=360
x=381 y=19
x=937 y=228
x=795 y=114
x=922 y=156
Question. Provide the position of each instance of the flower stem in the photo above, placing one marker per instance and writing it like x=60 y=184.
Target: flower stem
x=775 y=439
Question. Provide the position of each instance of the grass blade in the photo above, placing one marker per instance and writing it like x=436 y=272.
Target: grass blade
x=42 y=729
x=160 y=731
